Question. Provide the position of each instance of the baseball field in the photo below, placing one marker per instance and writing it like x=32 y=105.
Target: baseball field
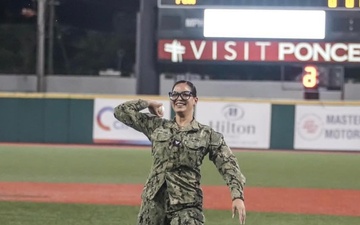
x=97 y=185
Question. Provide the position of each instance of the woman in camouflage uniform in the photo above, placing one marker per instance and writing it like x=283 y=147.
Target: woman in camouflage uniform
x=172 y=193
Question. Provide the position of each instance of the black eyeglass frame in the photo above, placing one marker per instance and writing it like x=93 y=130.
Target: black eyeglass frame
x=185 y=95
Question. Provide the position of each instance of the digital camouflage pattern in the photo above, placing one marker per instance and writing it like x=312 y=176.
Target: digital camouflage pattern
x=158 y=211
x=178 y=154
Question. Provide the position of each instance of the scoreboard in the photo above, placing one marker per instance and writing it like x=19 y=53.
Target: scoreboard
x=183 y=24
x=331 y=4
x=183 y=35
x=184 y=19
x=325 y=31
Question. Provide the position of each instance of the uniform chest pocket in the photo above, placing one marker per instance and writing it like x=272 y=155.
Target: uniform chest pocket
x=195 y=146
x=194 y=151
x=160 y=141
x=195 y=143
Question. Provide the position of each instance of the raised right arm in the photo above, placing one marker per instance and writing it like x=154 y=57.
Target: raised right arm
x=129 y=114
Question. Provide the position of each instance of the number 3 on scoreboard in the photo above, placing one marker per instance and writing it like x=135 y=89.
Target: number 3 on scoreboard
x=310 y=78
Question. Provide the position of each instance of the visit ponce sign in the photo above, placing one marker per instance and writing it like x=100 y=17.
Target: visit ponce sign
x=178 y=51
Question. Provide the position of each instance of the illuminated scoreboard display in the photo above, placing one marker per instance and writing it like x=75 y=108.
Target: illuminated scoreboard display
x=275 y=31
x=321 y=37
x=332 y=4
x=187 y=18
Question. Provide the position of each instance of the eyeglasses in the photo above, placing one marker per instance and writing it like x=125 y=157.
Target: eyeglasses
x=185 y=95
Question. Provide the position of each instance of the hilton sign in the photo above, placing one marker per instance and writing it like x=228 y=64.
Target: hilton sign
x=178 y=51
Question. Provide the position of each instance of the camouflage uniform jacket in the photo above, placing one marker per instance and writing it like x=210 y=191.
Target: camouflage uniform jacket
x=178 y=154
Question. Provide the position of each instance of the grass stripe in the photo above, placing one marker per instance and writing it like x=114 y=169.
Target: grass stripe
x=23 y=213
x=109 y=165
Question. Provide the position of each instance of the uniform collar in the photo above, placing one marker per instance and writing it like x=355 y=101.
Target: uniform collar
x=194 y=125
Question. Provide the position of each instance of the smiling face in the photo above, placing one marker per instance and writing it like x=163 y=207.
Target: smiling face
x=182 y=100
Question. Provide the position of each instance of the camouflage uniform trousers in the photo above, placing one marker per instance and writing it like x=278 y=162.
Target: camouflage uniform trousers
x=158 y=211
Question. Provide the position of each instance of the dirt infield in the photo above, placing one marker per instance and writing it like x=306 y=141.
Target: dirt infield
x=302 y=201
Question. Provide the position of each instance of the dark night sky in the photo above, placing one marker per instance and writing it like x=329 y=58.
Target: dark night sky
x=92 y=14
x=96 y=14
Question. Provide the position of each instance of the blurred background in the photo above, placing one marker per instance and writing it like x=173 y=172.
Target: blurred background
x=83 y=37
x=114 y=46
x=280 y=79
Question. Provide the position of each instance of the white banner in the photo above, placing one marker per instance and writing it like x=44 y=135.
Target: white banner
x=327 y=127
x=107 y=129
x=244 y=125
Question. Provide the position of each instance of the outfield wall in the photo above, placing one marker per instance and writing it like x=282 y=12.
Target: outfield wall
x=114 y=85
x=248 y=124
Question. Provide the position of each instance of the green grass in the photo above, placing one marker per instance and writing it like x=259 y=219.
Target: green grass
x=73 y=165
x=301 y=169
x=106 y=165
x=17 y=213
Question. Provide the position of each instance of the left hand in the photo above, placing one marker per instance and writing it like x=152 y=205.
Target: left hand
x=238 y=206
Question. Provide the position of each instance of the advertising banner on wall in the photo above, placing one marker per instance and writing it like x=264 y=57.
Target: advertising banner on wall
x=244 y=125
x=107 y=129
x=179 y=51
x=327 y=127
